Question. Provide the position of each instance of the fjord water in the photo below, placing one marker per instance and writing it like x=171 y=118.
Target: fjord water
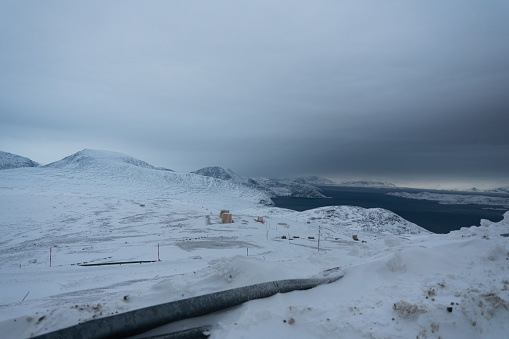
x=435 y=217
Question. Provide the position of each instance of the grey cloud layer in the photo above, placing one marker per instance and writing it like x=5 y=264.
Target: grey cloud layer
x=374 y=89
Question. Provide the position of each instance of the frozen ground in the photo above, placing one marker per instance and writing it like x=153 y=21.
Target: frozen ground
x=400 y=281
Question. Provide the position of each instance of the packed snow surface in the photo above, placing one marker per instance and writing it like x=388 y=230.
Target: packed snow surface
x=400 y=280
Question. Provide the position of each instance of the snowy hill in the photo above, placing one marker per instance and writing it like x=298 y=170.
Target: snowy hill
x=9 y=160
x=353 y=218
x=272 y=187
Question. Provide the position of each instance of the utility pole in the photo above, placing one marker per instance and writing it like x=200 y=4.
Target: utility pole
x=319 y=233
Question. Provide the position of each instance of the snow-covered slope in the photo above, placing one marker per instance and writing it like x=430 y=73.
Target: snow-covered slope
x=9 y=160
x=400 y=281
x=272 y=187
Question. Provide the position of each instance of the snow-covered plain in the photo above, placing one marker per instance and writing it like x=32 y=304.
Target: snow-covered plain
x=400 y=280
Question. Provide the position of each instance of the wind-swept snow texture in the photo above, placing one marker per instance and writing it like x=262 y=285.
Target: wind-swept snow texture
x=400 y=281
x=9 y=160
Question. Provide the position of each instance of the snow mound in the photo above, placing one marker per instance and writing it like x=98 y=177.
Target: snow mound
x=88 y=158
x=9 y=160
x=357 y=218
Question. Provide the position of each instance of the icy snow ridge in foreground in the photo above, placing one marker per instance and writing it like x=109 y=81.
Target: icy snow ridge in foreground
x=400 y=281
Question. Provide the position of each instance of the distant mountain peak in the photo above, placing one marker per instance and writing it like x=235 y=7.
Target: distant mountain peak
x=9 y=160
x=314 y=180
x=503 y=190
x=97 y=158
x=274 y=188
x=366 y=183
x=220 y=173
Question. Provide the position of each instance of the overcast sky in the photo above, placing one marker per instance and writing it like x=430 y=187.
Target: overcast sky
x=404 y=91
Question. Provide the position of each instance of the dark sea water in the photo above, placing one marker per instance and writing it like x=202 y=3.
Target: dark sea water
x=431 y=215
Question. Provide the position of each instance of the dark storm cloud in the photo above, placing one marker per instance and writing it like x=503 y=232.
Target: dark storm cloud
x=374 y=89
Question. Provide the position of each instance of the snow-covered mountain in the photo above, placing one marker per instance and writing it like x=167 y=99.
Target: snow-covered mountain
x=450 y=199
x=9 y=160
x=314 y=181
x=221 y=173
x=95 y=171
x=272 y=187
x=89 y=158
x=366 y=183
x=291 y=189
x=502 y=190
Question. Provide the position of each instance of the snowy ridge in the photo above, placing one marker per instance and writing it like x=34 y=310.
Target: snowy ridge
x=449 y=199
x=9 y=160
